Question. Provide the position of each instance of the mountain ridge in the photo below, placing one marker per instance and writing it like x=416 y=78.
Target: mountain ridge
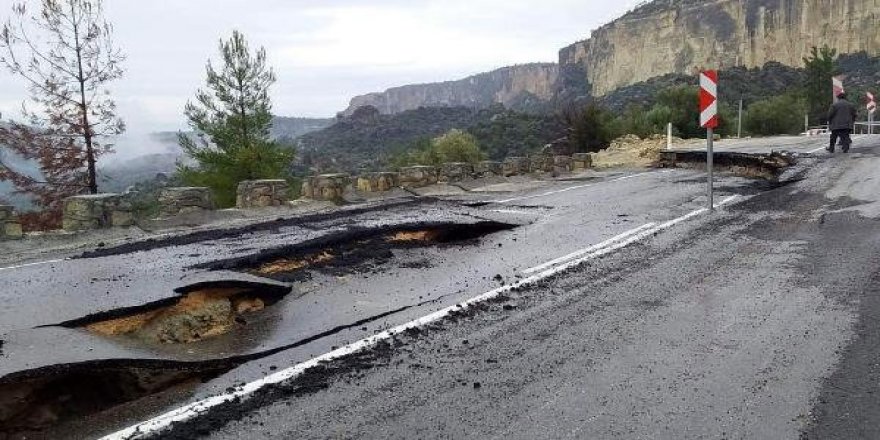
x=655 y=39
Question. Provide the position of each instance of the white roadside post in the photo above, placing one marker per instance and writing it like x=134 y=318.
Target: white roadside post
x=739 y=121
x=669 y=136
x=872 y=108
x=709 y=121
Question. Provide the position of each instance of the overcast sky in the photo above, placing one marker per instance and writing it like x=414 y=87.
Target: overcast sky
x=325 y=51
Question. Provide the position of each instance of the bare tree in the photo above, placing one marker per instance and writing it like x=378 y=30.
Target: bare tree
x=65 y=54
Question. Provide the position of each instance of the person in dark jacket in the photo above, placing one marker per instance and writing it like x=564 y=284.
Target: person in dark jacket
x=841 y=119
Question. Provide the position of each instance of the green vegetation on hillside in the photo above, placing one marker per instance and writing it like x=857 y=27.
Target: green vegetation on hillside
x=590 y=128
x=372 y=142
x=453 y=146
x=777 y=115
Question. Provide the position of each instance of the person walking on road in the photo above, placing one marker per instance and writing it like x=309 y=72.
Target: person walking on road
x=841 y=120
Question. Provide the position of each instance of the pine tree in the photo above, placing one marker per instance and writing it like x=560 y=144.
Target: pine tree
x=231 y=120
x=821 y=66
x=65 y=54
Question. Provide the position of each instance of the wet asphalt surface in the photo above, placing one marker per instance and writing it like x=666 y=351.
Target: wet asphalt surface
x=746 y=324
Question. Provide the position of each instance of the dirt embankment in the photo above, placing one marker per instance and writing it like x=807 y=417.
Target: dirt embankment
x=630 y=151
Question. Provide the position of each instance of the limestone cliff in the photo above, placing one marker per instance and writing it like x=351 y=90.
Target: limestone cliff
x=682 y=36
x=515 y=86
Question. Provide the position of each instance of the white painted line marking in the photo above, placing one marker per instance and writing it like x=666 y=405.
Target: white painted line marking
x=591 y=249
x=509 y=211
x=571 y=188
x=193 y=410
x=550 y=193
x=816 y=150
x=38 y=263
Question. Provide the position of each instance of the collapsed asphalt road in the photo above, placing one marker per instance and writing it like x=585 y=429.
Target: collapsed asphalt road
x=690 y=333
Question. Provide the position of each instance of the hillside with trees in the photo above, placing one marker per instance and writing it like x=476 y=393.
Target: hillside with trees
x=368 y=140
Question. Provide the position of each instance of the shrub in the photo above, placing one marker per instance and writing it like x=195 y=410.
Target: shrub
x=778 y=115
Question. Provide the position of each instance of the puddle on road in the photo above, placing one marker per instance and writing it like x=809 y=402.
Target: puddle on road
x=355 y=251
x=201 y=312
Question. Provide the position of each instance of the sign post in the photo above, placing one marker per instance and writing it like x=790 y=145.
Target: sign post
x=709 y=121
x=837 y=86
x=872 y=108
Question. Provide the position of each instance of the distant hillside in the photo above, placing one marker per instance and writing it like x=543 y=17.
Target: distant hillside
x=292 y=128
x=366 y=143
x=527 y=87
x=21 y=202
x=773 y=79
x=283 y=127
x=119 y=176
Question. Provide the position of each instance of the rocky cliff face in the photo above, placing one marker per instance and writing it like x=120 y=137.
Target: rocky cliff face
x=659 y=38
x=682 y=36
x=515 y=87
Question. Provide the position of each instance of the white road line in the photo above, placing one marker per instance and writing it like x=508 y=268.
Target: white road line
x=193 y=410
x=508 y=211
x=816 y=150
x=550 y=193
x=545 y=194
x=38 y=263
x=588 y=250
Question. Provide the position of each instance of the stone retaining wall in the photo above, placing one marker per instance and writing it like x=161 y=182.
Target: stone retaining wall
x=96 y=211
x=562 y=164
x=261 y=194
x=541 y=164
x=515 y=166
x=330 y=187
x=488 y=168
x=185 y=200
x=455 y=172
x=10 y=228
x=418 y=176
x=378 y=182
x=581 y=161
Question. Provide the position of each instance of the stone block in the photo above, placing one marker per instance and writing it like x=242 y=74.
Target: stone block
x=94 y=211
x=541 y=164
x=562 y=164
x=122 y=218
x=581 y=161
x=12 y=231
x=418 y=176
x=488 y=168
x=378 y=182
x=455 y=172
x=261 y=194
x=326 y=187
x=6 y=212
x=514 y=166
x=184 y=200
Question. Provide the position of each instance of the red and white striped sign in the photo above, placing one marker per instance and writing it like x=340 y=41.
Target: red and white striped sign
x=709 y=99
x=872 y=105
x=837 y=86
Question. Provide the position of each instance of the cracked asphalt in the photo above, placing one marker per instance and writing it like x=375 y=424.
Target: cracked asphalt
x=754 y=322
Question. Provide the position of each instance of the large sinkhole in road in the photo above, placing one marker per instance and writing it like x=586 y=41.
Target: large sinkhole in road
x=200 y=312
x=35 y=404
x=356 y=250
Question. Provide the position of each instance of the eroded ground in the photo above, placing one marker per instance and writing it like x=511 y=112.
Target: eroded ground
x=157 y=323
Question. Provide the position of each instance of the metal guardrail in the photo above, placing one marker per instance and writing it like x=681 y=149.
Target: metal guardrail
x=860 y=128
